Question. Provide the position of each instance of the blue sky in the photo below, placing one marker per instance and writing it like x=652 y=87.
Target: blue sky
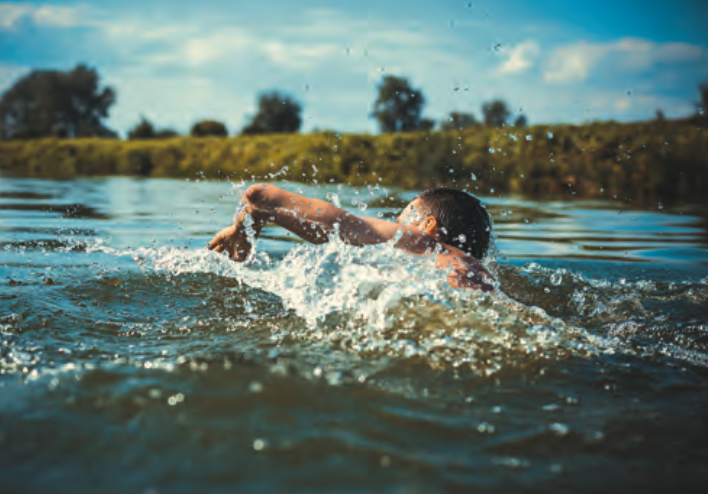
x=180 y=61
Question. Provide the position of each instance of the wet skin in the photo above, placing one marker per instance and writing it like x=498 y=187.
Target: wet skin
x=314 y=220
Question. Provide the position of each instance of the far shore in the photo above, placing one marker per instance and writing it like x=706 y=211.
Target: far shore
x=642 y=162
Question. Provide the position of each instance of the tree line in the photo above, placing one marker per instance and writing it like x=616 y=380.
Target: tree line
x=71 y=104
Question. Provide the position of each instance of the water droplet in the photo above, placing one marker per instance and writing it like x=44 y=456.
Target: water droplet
x=259 y=444
x=529 y=137
x=485 y=428
x=462 y=238
x=473 y=176
x=559 y=429
x=362 y=206
x=334 y=198
x=491 y=150
x=550 y=135
x=556 y=279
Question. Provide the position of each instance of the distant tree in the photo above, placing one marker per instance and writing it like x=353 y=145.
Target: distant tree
x=495 y=113
x=166 y=134
x=146 y=130
x=427 y=124
x=660 y=117
x=398 y=106
x=143 y=130
x=205 y=128
x=277 y=113
x=458 y=121
x=703 y=105
x=56 y=103
x=209 y=128
x=521 y=121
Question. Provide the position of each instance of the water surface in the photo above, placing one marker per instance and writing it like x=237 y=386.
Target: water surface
x=132 y=360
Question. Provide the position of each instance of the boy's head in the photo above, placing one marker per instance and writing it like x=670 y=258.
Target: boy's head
x=453 y=216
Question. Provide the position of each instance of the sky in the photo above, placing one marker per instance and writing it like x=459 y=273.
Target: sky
x=176 y=62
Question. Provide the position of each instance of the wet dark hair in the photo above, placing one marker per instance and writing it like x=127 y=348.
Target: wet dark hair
x=459 y=214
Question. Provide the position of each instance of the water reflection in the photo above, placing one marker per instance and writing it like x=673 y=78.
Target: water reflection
x=186 y=211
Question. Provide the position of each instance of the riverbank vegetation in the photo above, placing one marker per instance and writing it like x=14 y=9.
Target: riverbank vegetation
x=643 y=162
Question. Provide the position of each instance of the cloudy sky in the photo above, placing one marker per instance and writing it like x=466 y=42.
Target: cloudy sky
x=178 y=61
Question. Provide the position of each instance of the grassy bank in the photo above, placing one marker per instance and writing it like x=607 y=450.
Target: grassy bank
x=643 y=161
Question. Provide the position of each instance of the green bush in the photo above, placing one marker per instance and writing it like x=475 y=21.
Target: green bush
x=209 y=128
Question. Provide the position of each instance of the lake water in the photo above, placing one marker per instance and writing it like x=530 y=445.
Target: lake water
x=133 y=360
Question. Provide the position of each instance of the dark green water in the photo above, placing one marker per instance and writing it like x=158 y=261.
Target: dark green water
x=132 y=360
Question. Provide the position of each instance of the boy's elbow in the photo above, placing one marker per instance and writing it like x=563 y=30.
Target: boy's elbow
x=256 y=195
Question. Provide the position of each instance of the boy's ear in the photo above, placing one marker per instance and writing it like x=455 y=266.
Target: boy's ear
x=430 y=226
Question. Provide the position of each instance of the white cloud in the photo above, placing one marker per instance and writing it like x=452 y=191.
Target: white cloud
x=41 y=15
x=11 y=13
x=210 y=48
x=576 y=62
x=299 y=55
x=573 y=62
x=521 y=57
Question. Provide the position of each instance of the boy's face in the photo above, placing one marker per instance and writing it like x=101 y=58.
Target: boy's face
x=411 y=215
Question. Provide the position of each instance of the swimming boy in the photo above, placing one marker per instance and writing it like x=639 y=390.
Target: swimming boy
x=444 y=222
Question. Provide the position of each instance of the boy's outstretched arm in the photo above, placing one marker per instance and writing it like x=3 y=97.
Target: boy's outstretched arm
x=314 y=220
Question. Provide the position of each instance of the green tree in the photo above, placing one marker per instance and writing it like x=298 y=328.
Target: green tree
x=703 y=105
x=458 y=121
x=521 y=121
x=495 y=113
x=209 y=128
x=277 y=113
x=398 y=106
x=427 y=124
x=143 y=130
x=166 y=134
x=56 y=103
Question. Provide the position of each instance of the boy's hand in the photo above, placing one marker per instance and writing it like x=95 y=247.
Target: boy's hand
x=224 y=241
x=234 y=239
